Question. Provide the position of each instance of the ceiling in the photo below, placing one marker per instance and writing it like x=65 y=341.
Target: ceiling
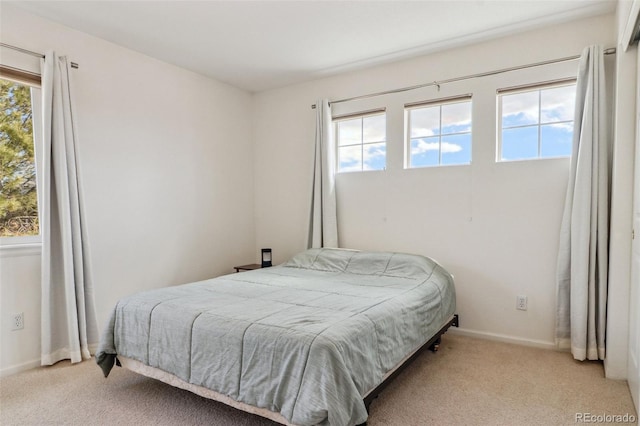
x=259 y=45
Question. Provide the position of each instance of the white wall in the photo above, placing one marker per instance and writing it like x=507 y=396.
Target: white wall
x=633 y=366
x=167 y=168
x=493 y=225
x=621 y=203
x=19 y=292
x=627 y=138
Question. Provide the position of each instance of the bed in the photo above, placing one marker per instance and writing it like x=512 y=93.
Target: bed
x=311 y=341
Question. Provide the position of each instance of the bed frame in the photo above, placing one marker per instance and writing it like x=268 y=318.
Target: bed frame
x=140 y=368
x=433 y=344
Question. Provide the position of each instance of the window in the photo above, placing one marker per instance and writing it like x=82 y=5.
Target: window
x=536 y=122
x=362 y=141
x=19 y=98
x=439 y=132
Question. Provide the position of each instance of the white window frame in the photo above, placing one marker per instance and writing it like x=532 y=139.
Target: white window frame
x=524 y=89
x=30 y=244
x=361 y=115
x=433 y=103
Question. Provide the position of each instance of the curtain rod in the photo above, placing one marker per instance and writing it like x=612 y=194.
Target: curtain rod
x=609 y=51
x=31 y=53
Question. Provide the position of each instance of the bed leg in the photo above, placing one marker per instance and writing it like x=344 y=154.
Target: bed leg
x=456 y=321
x=436 y=345
x=367 y=403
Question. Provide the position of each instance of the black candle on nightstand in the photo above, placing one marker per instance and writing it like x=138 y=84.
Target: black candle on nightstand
x=266 y=257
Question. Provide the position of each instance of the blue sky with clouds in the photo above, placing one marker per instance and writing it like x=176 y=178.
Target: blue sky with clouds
x=362 y=143
x=535 y=123
x=440 y=134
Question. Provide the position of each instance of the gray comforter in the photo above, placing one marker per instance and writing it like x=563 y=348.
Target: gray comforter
x=306 y=339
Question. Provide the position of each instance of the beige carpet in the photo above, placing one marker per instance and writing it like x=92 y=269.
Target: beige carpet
x=468 y=382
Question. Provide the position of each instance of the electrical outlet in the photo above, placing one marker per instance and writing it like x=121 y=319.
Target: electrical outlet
x=521 y=303
x=17 y=321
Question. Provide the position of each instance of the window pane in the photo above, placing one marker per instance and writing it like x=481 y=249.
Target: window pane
x=350 y=132
x=375 y=128
x=456 y=149
x=425 y=122
x=519 y=109
x=425 y=152
x=375 y=156
x=550 y=136
x=556 y=140
x=350 y=158
x=18 y=198
x=520 y=143
x=557 y=104
x=362 y=143
x=456 y=118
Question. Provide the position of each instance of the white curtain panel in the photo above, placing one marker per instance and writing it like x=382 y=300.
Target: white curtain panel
x=584 y=236
x=323 y=226
x=69 y=327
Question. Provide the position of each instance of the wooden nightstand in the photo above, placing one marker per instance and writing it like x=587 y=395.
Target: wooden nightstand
x=249 y=267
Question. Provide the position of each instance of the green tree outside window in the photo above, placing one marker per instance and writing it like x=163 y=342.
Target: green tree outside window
x=18 y=196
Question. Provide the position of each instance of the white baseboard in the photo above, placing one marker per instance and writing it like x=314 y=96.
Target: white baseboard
x=14 y=369
x=502 y=338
